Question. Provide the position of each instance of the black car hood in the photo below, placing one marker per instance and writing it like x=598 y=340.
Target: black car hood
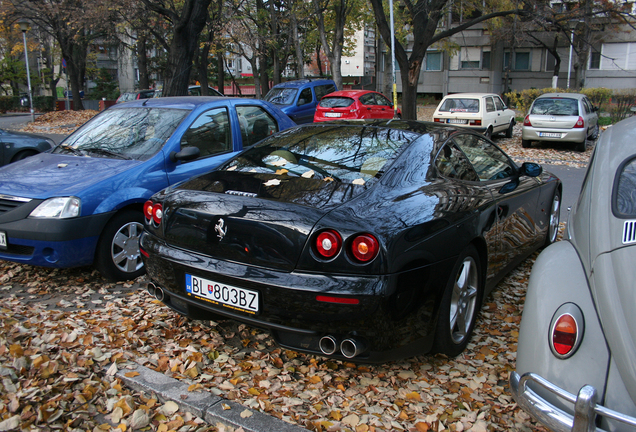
x=248 y=217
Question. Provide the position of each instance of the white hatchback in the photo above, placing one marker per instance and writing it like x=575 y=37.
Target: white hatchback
x=565 y=117
x=482 y=112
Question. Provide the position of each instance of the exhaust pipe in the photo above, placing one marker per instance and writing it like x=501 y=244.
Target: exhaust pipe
x=328 y=345
x=352 y=347
x=159 y=293
x=151 y=287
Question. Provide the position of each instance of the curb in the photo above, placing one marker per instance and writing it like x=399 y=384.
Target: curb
x=213 y=409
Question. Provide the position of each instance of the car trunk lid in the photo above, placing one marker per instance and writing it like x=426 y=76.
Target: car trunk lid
x=250 y=218
x=553 y=121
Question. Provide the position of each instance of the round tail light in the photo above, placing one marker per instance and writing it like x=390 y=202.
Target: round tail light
x=566 y=330
x=365 y=247
x=157 y=213
x=148 y=209
x=328 y=243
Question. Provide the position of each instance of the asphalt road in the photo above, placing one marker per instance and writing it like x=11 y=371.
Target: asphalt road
x=572 y=179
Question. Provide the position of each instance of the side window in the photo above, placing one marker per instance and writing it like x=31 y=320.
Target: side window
x=587 y=105
x=624 y=204
x=452 y=163
x=499 y=103
x=489 y=162
x=367 y=99
x=210 y=133
x=490 y=105
x=381 y=100
x=256 y=124
x=323 y=90
x=305 y=97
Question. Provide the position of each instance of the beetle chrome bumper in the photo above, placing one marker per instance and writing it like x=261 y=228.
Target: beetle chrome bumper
x=585 y=406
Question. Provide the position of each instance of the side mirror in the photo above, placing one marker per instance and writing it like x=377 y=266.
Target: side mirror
x=187 y=154
x=594 y=108
x=531 y=169
x=510 y=186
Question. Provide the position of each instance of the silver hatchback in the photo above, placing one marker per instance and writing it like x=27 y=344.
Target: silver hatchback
x=564 y=117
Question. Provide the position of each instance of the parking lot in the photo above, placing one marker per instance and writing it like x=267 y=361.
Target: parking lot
x=62 y=329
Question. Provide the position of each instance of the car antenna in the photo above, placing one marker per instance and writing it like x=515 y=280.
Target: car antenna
x=145 y=102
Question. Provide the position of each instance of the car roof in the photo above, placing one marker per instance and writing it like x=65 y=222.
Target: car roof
x=179 y=102
x=349 y=93
x=562 y=95
x=469 y=95
x=303 y=82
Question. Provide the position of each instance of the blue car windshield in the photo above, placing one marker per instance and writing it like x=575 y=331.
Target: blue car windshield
x=347 y=154
x=281 y=96
x=128 y=133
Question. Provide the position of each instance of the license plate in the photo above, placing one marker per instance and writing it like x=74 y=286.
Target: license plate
x=222 y=294
x=3 y=240
x=333 y=114
x=456 y=121
x=550 y=134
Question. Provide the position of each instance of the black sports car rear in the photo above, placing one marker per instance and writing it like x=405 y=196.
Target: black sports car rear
x=367 y=241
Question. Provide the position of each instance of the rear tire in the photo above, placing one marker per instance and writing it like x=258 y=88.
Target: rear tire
x=117 y=257
x=510 y=128
x=553 y=222
x=581 y=146
x=526 y=143
x=460 y=305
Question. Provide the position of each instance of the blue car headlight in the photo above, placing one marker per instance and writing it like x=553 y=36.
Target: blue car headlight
x=60 y=208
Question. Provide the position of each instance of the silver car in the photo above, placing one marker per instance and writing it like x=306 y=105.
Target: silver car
x=576 y=358
x=564 y=117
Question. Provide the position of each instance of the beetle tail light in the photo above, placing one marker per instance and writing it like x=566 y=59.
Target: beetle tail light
x=564 y=334
x=365 y=247
x=328 y=244
x=526 y=121
x=580 y=123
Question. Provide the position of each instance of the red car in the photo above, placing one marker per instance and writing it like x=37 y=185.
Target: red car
x=354 y=104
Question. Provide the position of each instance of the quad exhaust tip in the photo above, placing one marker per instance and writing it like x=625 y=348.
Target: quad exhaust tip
x=328 y=345
x=155 y=291
x=352 y=347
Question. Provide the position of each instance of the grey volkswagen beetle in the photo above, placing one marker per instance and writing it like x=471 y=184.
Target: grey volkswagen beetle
x=576 y=358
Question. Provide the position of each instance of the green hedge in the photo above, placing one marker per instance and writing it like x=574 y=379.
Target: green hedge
x=40 y=104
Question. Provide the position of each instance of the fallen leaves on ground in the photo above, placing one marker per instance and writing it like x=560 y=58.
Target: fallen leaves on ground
x=59 y=122
x=54 y=360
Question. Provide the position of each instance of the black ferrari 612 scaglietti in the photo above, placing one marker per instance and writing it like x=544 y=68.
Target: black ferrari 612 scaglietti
x=367 y=241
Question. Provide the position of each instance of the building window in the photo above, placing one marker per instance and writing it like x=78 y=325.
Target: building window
x=485 y=60
x=433 y=61
x=470 y=58
x=521 y=61
x=595 y=59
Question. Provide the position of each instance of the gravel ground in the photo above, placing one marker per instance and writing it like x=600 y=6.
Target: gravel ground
x=60 y=329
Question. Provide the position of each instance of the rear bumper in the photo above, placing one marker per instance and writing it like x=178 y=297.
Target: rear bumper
x=390 y=325
x=585 y=407
x=567 y=135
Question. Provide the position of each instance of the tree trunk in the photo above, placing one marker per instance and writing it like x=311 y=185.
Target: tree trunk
x=220 y=69
x=142 y=62
x=184 y=43
x=300 y=63
x=263 y=76
x=203 y=68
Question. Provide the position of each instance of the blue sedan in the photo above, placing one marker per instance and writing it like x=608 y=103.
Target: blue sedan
x=82 y=203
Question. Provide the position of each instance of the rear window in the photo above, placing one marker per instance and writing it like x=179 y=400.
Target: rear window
x=281 y=96
x=625 y=191
x=346 y=154
x=555 y=106
x=335 y=102
x=460 y=105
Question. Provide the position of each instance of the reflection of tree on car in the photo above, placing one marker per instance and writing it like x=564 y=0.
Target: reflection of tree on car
x=363 y=240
